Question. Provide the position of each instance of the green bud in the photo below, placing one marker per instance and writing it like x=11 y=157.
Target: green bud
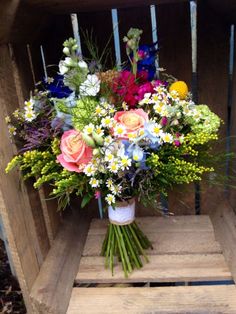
x=96 y=152
x=75 y=47
x=88 y=140
x=66 y=51
x=99 y=140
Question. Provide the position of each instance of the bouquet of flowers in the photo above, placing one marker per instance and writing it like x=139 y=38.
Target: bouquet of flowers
x=114 y=135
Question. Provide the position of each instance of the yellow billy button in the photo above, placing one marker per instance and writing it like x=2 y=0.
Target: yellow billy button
x=181 y=88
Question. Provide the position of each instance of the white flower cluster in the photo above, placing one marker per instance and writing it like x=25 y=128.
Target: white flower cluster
x=29 y=113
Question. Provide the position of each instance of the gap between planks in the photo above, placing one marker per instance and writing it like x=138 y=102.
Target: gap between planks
x=178 y=300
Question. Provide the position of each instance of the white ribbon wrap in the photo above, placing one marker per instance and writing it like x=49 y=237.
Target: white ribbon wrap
x=122 y=214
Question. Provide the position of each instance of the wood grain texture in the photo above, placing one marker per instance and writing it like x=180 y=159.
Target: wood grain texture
x=171 y=300
x=52 y=288
x=224 y=222
x=52 y=215
x=161 y=268
x=68 y=6
x=213 y=62
x=174 y=224
x=166 y=243
x=174 y=37
x=15 y=208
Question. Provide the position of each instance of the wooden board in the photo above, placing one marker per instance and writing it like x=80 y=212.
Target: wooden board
x=178 y=300
x=213 y=58
x=161 y=268
x=180 y=224
x=166 y=243
x=52 y=288
x=224 y=221
x=15 y=208
x=184 y=249
x=63 y=6
x=174 y=40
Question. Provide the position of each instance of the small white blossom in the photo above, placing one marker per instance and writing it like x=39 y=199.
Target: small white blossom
x=119 y=130
x=107 y=122
x=116 y=189
x=125 y=162
x=63 y=69
x=29 y=115
x=110 y=199
x=82 y=64
x=167 y=138
x=89 y=170
x=94 y=182
x=109 y=183
x=91 y=86
x=114 y=166
x=88 y=129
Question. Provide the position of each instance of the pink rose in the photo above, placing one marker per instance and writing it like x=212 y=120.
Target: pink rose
x=133 y=120
x=75 y=153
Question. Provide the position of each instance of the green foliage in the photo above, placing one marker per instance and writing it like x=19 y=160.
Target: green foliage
x=83 y=112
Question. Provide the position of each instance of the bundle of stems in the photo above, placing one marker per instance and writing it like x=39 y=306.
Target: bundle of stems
x=127 y=243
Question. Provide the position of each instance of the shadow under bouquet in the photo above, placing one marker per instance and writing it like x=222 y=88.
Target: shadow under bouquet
x=116 y=135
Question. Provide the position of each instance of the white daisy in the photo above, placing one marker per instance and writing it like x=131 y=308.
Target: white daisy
x=110 y=199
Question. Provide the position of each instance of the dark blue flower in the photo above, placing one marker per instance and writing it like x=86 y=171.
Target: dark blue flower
x=57 y=88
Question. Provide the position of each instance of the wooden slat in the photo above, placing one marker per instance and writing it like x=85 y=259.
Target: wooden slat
x=161 y=268
x=178 y=300
x=15 y=208
x=174 y=34
x=165 y=243
x=62 y=6
x=213 y=58
x=52 y=288
x=162 y=224
x=224 y=221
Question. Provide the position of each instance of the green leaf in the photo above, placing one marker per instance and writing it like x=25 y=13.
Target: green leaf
x=86 y=199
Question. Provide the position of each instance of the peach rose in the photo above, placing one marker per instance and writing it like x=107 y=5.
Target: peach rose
x=133 y=120
x=75 y=153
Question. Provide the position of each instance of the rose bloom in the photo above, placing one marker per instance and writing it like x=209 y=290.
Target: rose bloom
x=133 y=120
x=75 y=154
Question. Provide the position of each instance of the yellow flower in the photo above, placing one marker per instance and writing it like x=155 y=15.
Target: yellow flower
x=181 y=88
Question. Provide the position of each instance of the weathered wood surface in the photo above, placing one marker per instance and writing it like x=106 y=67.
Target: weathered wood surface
x=172 y=235
x=213 y=58
x=174 y=35
x=15 y=208
x=184 y=249
x=62 y=6
x=161 y=268
x=52 y=215
x=224 y=222
x=178 y=300
x=52 y=288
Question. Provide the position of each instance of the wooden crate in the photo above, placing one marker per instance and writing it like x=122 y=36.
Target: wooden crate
x=45 y=245
x=185 y=256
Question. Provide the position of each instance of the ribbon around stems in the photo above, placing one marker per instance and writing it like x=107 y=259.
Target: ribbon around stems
x=122 y=214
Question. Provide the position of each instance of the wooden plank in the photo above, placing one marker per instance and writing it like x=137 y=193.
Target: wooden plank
x=178 y=300
x=224 y=221
x=61 y=6
x=7 y=16
x=52 y=288
x=24 y=83
x=161 y=268
x=15 y=209
x=174 y=34
x=52 y=215
x=165 y=243
x=213 y=58
x=189 y=223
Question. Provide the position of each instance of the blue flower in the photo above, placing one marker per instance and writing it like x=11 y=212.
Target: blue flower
x=148 y=129
x=57 y=88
